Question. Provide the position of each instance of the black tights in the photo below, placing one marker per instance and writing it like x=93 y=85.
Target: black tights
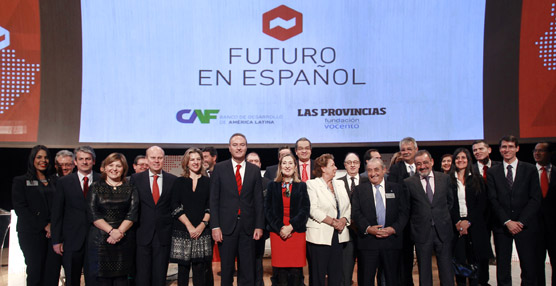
x=202 y=273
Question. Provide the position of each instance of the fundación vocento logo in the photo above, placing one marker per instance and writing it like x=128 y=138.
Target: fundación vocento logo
x=188 y=116
x=282 y=23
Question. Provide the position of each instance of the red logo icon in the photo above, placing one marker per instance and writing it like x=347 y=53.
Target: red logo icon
x=282 y=23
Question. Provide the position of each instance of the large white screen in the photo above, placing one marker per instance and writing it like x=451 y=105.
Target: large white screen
x=395 y=68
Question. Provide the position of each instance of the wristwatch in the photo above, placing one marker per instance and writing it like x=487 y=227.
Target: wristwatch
x=206 y=223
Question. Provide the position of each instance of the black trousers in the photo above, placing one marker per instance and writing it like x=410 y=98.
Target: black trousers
x=326 y=260
x=43 y=264
x=547 y=242
x=112 y=281
x=200 y=273
x=406 y=259
x=152 y=263
x=287 y=276
x=526 y=243
x=371 y=260
x=241 y=245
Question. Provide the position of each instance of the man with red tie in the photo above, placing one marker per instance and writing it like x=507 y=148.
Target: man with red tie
x=303 y=151
x=69 y=218
x=236 y=212
x=481 y=152
x=154 y=231
x=547 y=177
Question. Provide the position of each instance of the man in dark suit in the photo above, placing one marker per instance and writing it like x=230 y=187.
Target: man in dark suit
x=369 y=154
x=69 y=218
x=350 y=180
x=64 y=163
x=547 y=177
x=236 y=206
x=210 y=155
x=515 y=196
x=270 y=172
x=431 y=199
x=303 y=150
x=254 y=159
x=380 y=211
x=481 y=152
x=397 y=174
x=154 y=230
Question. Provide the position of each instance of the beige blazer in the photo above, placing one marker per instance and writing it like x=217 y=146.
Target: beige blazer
x=323 y=204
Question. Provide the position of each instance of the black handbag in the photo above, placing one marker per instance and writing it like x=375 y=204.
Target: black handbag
x=469 y=270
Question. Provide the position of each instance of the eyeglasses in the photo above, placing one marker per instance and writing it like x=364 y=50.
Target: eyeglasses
x=352 y=162
x=66 y=165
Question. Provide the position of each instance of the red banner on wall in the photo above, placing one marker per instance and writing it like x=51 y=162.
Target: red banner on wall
x=20 y=58
x=537 y=69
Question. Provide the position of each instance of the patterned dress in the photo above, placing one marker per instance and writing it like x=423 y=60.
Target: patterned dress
x=114 y=205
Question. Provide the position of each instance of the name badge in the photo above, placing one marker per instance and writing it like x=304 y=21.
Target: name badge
x=32 y=183
x=390 y=195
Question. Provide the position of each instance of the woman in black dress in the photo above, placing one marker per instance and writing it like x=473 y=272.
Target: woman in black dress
x=191 y=237
x=112 y=207
x=32 y=196
x=469 y=215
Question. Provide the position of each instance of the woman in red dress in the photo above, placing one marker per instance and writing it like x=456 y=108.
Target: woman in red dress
x=287 y=210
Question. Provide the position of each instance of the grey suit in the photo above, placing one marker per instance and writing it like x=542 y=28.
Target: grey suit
x=431 y=227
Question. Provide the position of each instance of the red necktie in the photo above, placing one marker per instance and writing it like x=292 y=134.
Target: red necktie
x=304 y=176
x=85 y=186
x=238 y=182
x=544 y=182
x=156 y=191
x=238 y=179
x=485 y=168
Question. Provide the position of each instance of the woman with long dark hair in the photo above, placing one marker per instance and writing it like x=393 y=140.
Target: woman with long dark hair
x=32 y=196
x=470 y=216
x=287 y=210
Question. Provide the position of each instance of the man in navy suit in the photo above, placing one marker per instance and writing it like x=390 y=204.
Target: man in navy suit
x=69 y=218
x=380 y=211
x=431 y=200
x=154 y=231
x=515 y=196
x=237 y=218
x=398 y=173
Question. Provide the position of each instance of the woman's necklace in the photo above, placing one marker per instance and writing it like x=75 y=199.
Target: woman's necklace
x=114 y=186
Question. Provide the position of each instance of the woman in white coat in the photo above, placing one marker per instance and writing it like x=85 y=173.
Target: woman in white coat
x=326 y=228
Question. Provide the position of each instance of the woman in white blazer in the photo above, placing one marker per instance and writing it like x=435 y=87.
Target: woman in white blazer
x=326 y=228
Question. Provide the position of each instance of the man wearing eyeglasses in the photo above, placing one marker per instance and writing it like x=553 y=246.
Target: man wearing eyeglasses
x=351 y=180
x=64 y=163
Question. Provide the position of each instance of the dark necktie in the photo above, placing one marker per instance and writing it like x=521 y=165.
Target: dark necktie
x=85 y=186
x=352 y=188
x=380 y=209
x=510 y=176
x=485 y=169
x=429 y=189
x=544 y=182
x=156 y=190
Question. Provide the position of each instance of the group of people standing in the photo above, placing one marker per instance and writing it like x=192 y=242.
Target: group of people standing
x=116 y=227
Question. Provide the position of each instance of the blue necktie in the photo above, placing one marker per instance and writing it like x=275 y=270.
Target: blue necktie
x=429 y=189
x=380 y=209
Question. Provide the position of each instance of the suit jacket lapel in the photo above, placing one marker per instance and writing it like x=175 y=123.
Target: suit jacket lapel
x=422 y=193
x=370 y=193
x=146 y=181
x=166 y=188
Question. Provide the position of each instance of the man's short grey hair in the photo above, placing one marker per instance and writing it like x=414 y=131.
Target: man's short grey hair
x=64 y=153
x=408 y=140
x=86 y=149
x=377 y=160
